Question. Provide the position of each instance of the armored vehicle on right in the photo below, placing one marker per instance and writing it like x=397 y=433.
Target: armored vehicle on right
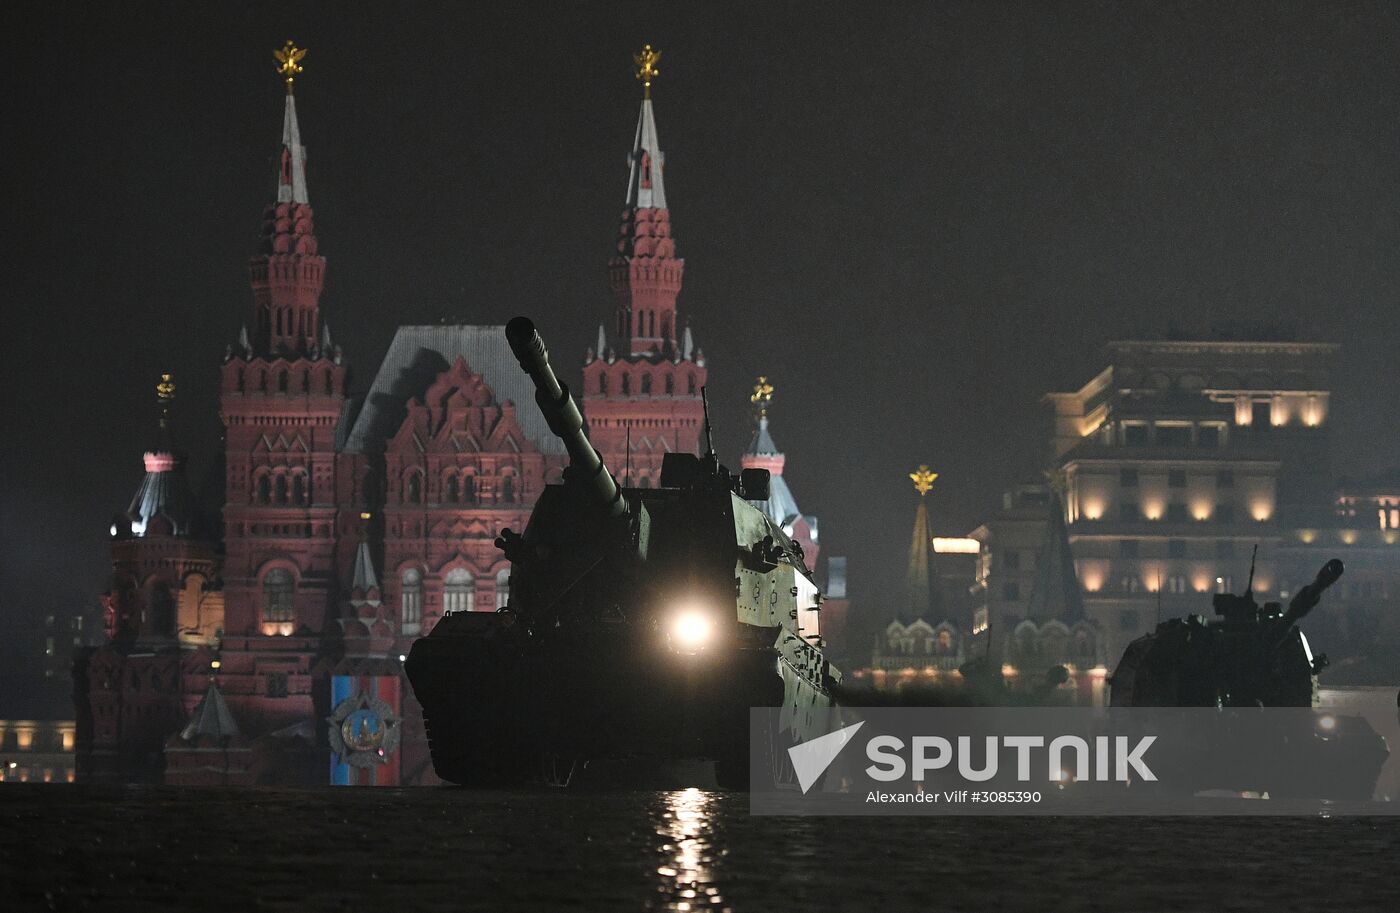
x=1254 y=657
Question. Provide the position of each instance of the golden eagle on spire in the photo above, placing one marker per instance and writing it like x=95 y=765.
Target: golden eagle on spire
x=762 y=396
x=289 y=59
x=646 y=68
x=165 y=389
x=923 y=479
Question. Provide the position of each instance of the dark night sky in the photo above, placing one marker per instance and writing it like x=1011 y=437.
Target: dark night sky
x=916 y=217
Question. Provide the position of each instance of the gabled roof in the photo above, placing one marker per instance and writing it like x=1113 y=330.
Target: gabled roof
x=415 y=359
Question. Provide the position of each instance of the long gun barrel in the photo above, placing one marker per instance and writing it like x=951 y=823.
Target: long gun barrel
x=561 y=413
x=1309 y=595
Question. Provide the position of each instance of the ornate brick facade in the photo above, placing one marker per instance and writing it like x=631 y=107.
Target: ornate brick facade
x=352 y=523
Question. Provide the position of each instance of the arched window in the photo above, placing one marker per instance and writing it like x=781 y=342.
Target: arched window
x=413 y=489
x=458 y=591
x=299 y=488
x=278 y=589
x=281 y=381
x=240 y=380
x=454 y=489
x=507 y=489
x=264 y=489
x=262 y=381
x=330 y=384
x=626 y=384
x=162 y=608
x=503 y=588
x=666 y=326
x=641 y=320
x=412 y=600
x=646 y=383
x=281 y=489
x=690 y=385
x=670 y=385
x=306 y=382
x=469 y=488
x=651 y=323
x=602 y=383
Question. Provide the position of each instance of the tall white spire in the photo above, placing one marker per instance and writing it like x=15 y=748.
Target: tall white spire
x=291 y=180
x=644 y=186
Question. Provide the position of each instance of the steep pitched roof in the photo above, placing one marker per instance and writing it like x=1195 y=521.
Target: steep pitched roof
x=164 y=493
x=291 y=181
x=211 y=718
x=415 y=359
x=644 y=181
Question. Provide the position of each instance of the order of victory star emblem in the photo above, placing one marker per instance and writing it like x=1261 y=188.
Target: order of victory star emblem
x=363 y=730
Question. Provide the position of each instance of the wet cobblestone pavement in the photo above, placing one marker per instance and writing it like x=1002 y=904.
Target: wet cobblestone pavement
x=154 y=848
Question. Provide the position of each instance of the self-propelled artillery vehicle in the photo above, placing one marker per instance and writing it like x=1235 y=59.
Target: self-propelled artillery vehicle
x=1251 y=659
x=642 y=625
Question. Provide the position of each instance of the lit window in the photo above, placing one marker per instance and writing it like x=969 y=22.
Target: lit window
x=503 y=588
x=458 y=591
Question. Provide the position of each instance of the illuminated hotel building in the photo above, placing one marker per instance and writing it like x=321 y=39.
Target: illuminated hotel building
x=1177 y=460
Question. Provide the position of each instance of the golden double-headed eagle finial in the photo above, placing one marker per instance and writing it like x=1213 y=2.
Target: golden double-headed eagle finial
x=646 y=68
x=165 y=388
x=289 y=59
x=923 y=479
x=762 y=395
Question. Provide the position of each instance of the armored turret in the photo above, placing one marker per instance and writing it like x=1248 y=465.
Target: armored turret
x=643 y=623
x=1252 y=655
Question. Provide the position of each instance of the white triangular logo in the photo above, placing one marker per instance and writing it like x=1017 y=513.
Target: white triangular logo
x=811 y=759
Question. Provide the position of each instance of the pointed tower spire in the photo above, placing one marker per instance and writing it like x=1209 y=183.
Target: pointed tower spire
x=645 y=189
x=364 y=579
x=288 y=274
x=646 y=273
x=165 y=503
x=921 y=594
x=291 y=170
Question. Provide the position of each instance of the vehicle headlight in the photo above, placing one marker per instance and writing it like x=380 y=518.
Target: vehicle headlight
x=691 y=630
